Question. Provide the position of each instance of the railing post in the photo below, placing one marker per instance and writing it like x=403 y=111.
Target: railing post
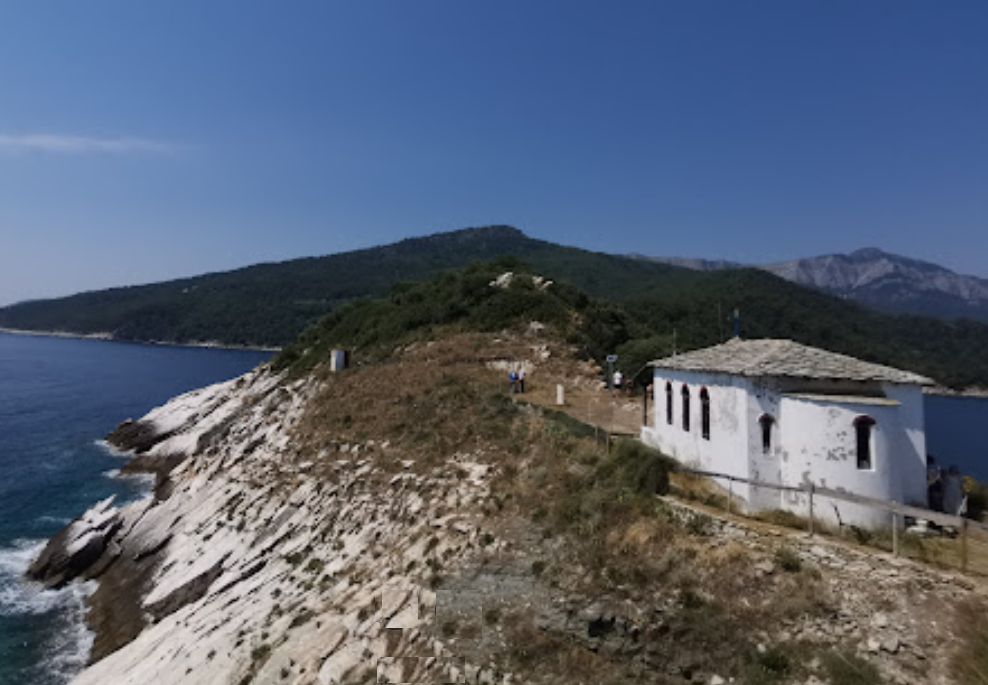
x=730 y=493
x=812 y=487
x=964 y=544
x=895 y=532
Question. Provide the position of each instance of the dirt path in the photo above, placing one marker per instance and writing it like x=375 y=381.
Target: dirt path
x=611 y=411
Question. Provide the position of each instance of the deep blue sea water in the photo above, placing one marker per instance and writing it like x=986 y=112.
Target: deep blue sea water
x=58 y=397
x=957 y=433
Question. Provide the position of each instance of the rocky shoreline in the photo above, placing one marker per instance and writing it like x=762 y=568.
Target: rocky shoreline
x=97 y=547
x=242 y=566
x=106 y=336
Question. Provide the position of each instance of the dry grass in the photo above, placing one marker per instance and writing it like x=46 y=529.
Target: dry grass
x=590 y=523
x=970 y=663
x=432 y=401
x=587 y=402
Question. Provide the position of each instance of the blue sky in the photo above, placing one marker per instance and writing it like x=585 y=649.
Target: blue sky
x=142 y=141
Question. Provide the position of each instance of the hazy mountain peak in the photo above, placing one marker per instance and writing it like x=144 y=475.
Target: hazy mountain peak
x=891 y=282
x=879 y=279
x=871 y=253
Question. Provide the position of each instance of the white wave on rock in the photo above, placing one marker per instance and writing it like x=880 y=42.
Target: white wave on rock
x=19 y=596
x=68 y=645
x=113 y=451
x=57 y=520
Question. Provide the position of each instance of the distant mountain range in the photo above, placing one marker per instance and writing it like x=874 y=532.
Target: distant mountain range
x=875 y=278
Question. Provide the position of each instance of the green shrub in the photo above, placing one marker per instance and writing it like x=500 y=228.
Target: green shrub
x=847 y=668
x=781 y=517
x=769 y=666
x=637 y=469
x=977 y=498
x=788 y=560
x=699 y=524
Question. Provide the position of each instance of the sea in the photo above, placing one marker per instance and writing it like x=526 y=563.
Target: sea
x=957 y=433
x=58 y=398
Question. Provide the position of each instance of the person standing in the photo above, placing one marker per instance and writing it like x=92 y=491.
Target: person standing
x=513 y=381
x=953 y=491
x=618 y=379
x=521 y=380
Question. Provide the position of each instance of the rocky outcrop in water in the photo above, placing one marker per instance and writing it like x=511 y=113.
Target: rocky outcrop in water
x=78 y=547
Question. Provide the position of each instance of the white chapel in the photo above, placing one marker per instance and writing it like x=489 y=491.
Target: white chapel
x=783 y=413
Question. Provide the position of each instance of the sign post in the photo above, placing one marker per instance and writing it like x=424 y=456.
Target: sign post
x=611 y=359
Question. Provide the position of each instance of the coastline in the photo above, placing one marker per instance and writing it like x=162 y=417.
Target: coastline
x=109 y=337
x=974 y=392
x=58 y=465
x=239 y=540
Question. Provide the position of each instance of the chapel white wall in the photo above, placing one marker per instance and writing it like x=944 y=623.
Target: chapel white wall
x=813 y=441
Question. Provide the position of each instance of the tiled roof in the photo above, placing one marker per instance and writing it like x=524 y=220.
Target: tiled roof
x=784 y=358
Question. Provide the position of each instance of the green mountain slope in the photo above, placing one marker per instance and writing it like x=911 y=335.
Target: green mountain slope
x=270 y=304
x=952 y=352
x=687 y=313
x=659 y=305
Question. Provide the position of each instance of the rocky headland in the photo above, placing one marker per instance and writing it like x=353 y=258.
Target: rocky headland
x=409 y=521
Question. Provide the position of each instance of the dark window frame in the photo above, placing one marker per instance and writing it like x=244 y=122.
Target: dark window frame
x=705 y=413
x=685 y=392
x=767 y=423
x=864 y=440
x=669 y=409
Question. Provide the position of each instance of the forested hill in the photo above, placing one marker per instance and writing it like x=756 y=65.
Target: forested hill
x=270 y=304
x=654 y=305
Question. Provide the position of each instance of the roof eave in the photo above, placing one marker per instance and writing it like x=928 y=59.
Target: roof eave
x=922 y=381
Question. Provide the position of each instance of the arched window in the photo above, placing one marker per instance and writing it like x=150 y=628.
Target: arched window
x=863 y=438
x=705 y=413
x=669 y=403
x=686 y=408
x=766 y=421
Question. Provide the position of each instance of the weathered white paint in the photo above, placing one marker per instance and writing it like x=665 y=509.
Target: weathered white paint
x=813 y=439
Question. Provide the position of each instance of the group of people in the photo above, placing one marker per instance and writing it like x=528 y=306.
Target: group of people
x=516 y=380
